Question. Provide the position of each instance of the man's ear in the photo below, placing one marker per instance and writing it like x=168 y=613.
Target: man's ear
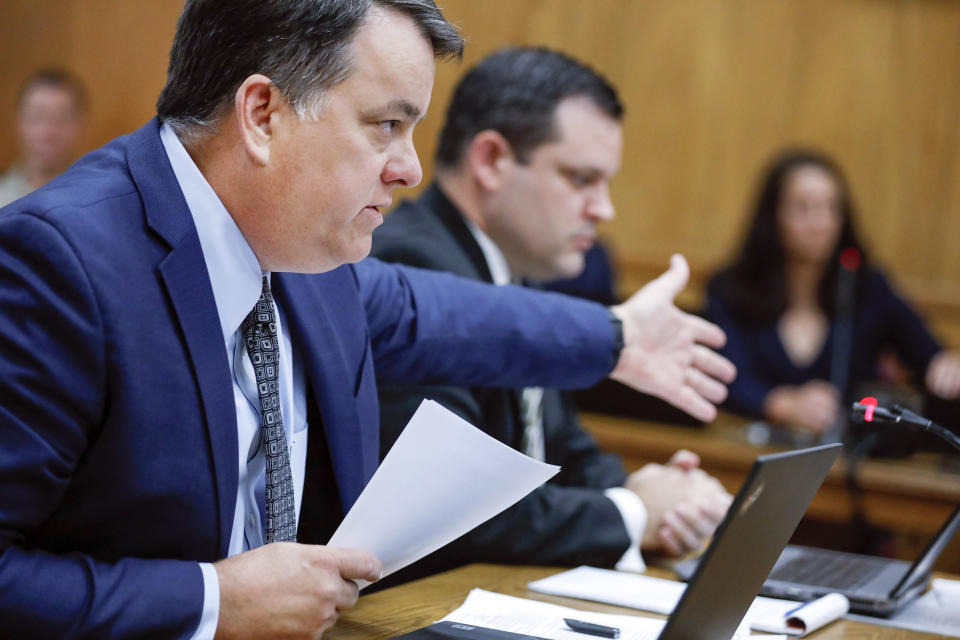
x=490 y=159
x=256 y=105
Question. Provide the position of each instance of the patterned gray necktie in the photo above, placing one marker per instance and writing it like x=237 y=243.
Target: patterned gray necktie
x=531 y=412
x=260 y=338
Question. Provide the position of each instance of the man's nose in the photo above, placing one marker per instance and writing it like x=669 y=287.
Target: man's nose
x=600 y=206
x=403 y=169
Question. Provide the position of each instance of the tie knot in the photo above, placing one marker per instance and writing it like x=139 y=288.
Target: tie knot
x=261 y=316
x=265 y=289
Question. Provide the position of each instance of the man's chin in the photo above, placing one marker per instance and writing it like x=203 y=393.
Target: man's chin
x=569 y=266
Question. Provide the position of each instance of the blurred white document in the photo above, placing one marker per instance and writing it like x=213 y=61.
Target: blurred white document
x=442 y=478
x=614 y=587
x=531 y=617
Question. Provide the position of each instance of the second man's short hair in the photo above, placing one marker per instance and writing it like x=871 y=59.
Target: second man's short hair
x=516 y=92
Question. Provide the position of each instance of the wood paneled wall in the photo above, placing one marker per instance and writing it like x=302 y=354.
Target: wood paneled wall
x=713 y=88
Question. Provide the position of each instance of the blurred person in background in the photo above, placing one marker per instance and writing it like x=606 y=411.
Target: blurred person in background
x=782 y=297
x=49 y=120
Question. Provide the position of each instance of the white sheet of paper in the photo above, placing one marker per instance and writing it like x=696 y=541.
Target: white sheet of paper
x=519 y=615
x=640 y=592
x=614 y=587
x=442 y=478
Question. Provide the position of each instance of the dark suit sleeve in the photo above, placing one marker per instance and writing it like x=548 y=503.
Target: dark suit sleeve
x=435 y=328
x=582 y=462
x=53 y=377
x=567 y=521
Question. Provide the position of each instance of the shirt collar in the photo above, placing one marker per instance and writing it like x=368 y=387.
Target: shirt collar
x=496 y=261
x=235 y=274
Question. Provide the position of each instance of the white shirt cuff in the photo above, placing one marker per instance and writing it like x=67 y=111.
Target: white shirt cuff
x=634 y=514
x=211 y=604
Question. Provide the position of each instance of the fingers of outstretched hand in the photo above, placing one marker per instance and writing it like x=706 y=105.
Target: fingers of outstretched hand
x=713 y=364
x=706 y=386
x=687 y=399
x=672 y=281
x=704 y=331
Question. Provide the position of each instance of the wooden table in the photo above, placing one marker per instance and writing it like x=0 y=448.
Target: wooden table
x=911 y=497
x=416 y=604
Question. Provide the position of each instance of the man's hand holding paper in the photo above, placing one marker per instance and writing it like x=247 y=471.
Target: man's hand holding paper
x=415 y=502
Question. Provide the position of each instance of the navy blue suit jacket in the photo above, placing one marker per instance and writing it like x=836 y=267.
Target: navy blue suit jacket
x=118 y=434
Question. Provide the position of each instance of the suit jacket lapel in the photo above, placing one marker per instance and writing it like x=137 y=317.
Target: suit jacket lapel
x=184 y=274
x=437 y=203
x=317 y=337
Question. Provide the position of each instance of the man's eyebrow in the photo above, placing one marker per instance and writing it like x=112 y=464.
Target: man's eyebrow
x=408 y=109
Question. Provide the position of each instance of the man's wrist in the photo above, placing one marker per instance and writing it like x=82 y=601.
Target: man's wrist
x=634 y=514
x=618 y=343
x=210 y=614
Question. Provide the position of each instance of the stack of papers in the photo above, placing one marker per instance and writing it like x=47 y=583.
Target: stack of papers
x=937 y=611
x=519 y=615
x=531 y=617
x=661 y=596
x=614 y=587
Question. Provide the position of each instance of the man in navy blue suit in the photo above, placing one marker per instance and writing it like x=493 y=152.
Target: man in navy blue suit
x=187 y=353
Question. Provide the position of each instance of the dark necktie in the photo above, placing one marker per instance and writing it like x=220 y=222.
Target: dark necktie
x=260 y=338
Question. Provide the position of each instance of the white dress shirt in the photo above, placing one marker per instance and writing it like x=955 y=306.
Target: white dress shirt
x=236 y=279
x=629 y=504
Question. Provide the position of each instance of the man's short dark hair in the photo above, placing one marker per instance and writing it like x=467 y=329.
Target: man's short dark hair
x=303 y=46
x=59 y=79
x=516 y=92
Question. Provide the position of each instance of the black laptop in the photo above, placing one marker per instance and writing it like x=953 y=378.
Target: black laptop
x=745 y=547
x=748 y=542
x=876 y=586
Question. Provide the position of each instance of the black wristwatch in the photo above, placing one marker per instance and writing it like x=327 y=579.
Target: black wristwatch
x=617 y=335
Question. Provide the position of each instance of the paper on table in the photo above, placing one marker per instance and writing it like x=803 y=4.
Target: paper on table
x=936 y=611
x=639 y=592
x=614 y=587
x=519 y=615
x=442 y=478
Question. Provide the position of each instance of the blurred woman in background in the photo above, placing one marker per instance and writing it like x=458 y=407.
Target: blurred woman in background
x=804 y=310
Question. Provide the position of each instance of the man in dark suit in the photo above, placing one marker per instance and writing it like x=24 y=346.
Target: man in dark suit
x=176 y=390
x=531 y=140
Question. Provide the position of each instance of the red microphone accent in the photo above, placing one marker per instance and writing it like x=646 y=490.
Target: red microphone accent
x=850 y=259
x=871 y=404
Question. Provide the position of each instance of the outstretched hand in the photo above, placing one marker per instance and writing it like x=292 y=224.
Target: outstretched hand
x=667 y=352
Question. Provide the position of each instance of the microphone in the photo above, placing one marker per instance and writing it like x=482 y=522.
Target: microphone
x=842 y=329
x=867 y=410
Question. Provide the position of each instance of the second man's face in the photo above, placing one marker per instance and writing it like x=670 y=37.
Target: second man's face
x=544 y=217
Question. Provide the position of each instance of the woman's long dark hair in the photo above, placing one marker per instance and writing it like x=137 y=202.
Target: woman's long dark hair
x=754 y=285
